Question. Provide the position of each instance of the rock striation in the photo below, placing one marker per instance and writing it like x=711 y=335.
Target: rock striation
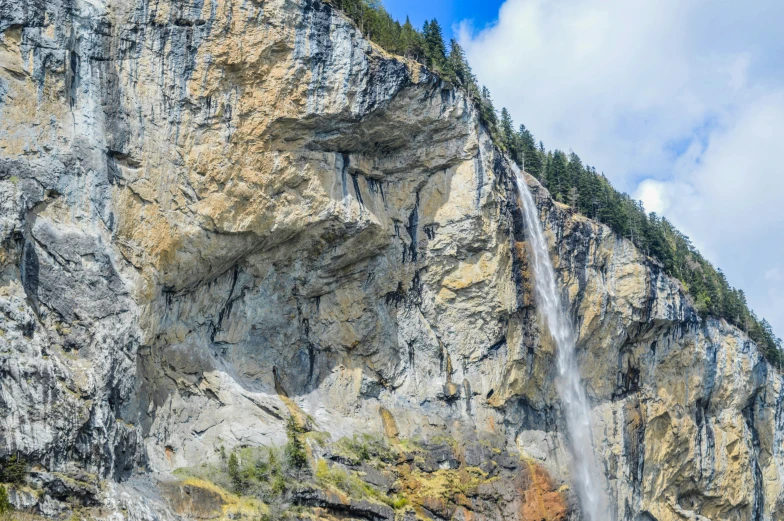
x=216 y=215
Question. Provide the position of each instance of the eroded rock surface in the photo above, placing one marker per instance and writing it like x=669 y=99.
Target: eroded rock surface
x=214 y=215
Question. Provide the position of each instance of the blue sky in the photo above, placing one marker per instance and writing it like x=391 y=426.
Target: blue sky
x=679 y=102
x=448 y=12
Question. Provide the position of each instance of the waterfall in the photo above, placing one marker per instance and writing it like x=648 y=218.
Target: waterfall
x=586 y=477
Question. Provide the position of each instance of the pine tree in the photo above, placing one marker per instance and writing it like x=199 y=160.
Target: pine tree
x=572 y=197
x=435 y=49
x=574 y=169
x=557 y=176
x=488 y=115
x=295 y=450
x=459 y=65
x=508 y=134
x=529 y=154
x=412 y=42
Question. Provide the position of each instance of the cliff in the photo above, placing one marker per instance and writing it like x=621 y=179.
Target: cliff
x=218 y=215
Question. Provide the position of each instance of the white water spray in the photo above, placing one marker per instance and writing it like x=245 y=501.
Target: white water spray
x=587 y=479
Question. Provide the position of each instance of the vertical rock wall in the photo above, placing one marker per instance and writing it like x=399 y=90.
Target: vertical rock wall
x=217 y=214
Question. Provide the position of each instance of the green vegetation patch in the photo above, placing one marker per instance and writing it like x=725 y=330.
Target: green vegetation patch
x=345 y=476
x=364 y=448
x=5 y=504
x=332 y=477
x=13 y=470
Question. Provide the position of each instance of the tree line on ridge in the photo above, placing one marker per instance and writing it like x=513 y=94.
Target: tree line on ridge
x=568 y=180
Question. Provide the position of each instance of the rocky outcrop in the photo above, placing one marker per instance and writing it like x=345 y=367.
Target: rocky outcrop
x=680 y=402
x=219 y=214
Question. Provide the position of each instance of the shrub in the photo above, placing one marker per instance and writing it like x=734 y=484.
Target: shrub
x=278 y=485
x=234 y=473
x=400 y=502
x=350 y=483
x=364 y=448
x=13 y=470
x=259 y=472
x=5 y=504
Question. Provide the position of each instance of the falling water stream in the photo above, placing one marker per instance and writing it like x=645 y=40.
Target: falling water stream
x=587 y=479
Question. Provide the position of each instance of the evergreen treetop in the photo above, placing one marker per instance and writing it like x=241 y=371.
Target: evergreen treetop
x=568 y=179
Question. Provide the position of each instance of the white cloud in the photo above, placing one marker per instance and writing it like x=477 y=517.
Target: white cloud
x=653 y=196
x=680 y=102
x=729 y=200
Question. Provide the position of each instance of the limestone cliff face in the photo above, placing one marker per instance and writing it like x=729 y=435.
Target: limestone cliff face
x=218 y=214
x=687 y=414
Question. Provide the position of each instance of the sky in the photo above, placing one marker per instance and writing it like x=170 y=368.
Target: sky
x=679 y=102
x=449 y=13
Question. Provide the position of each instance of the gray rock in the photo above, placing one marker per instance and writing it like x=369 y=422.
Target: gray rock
x=214 y=216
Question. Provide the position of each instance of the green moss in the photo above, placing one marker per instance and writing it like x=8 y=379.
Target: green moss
x=364 y=448
x=447 y=440
x=350 y=484
x=400 y=503
x=269 y=475
x=319 y=438
x=444 y=484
